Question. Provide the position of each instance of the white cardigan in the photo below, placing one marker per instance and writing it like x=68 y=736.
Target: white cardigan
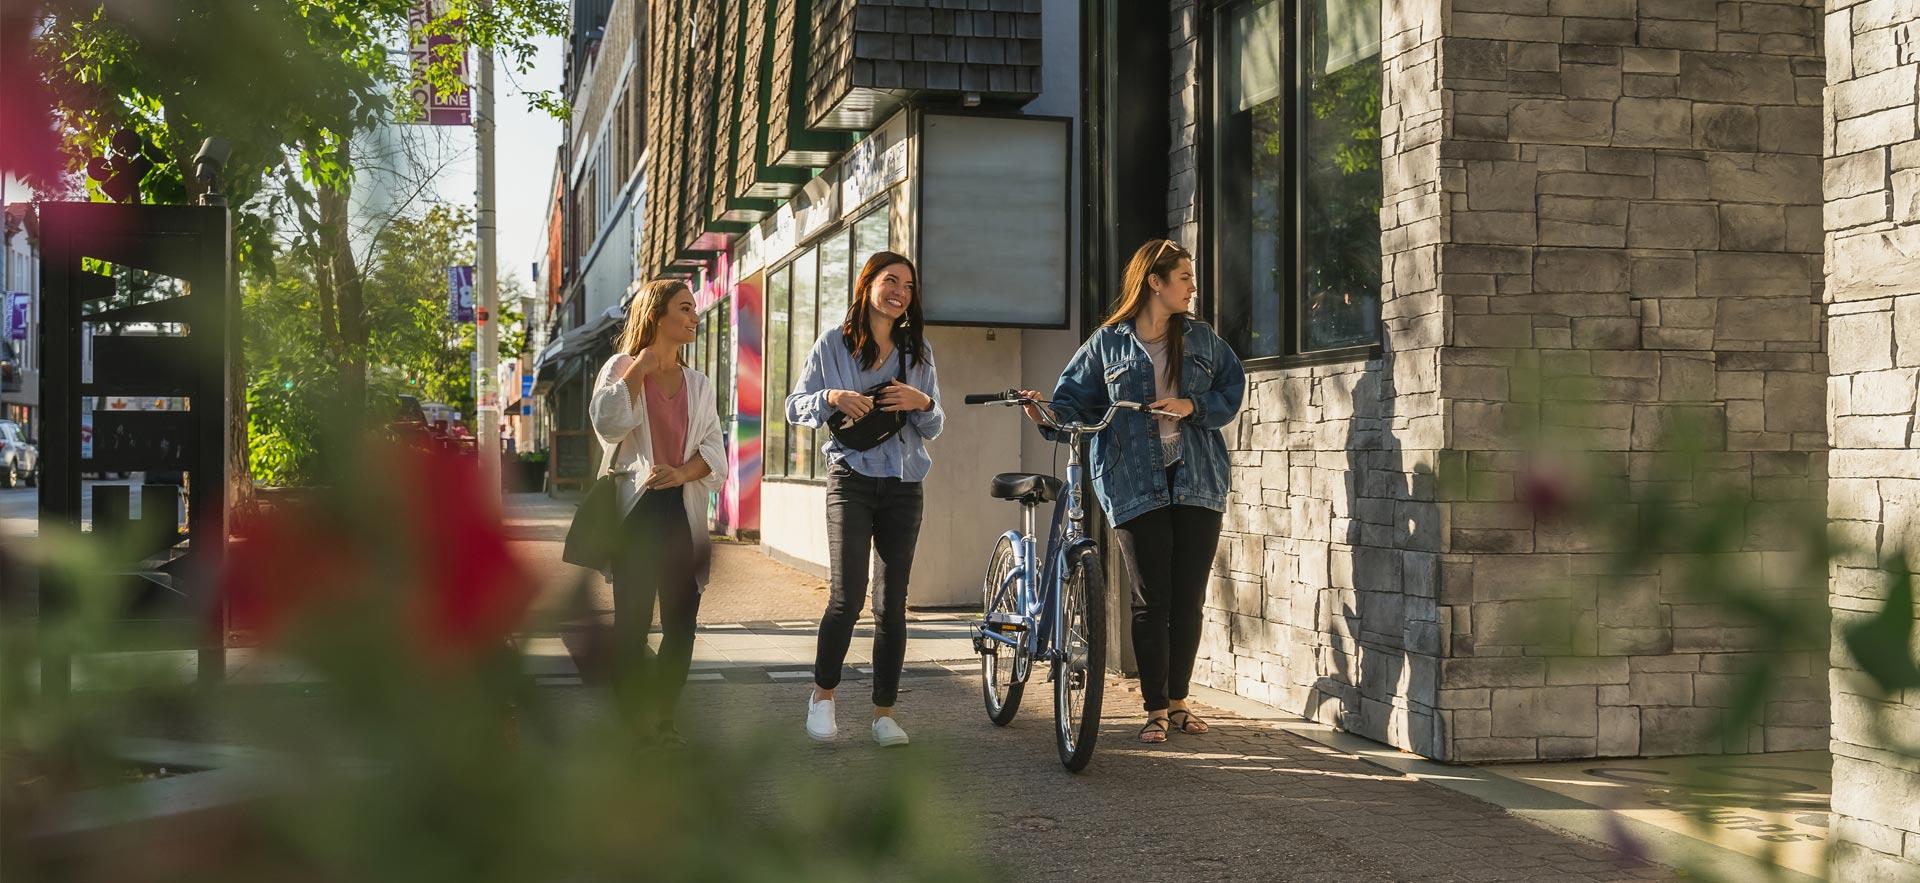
x=620 y=420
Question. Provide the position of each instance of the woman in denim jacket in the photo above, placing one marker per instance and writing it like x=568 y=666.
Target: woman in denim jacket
x=1162 y=480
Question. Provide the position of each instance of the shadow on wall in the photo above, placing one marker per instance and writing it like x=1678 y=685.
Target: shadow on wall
x=1379 y=619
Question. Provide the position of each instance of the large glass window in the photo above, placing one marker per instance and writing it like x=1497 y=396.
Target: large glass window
x=723 y=362
x=834 y=282
x=1297 y=177
x=806 y=298
x=872 y=233
x=805 y=332
x=773 y=410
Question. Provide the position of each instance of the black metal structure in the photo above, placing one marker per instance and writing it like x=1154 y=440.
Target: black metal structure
x=1126 y=66
x=186 y=351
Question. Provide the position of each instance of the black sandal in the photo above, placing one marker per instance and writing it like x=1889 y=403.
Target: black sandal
x=1186 y=724
x=1154 y=725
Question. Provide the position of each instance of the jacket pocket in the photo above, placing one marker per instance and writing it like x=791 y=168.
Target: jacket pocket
x=1199 y=373
x=1117 y=376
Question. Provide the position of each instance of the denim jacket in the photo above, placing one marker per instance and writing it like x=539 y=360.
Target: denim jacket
x=1125 y=461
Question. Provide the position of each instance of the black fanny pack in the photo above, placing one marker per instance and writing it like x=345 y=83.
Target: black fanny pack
x=877 y=426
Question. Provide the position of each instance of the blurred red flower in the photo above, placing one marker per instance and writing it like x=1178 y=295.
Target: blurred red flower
x=463 y=589
x=30 y=147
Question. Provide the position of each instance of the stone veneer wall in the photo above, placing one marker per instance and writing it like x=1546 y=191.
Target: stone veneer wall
x=1873 y=308
x=1633 y=205
x=1326 y=601
x=1596 y=195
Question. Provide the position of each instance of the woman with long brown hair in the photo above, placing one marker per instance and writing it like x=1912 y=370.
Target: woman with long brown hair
x=658 y=420
x=1162 y=479
x=877 y=358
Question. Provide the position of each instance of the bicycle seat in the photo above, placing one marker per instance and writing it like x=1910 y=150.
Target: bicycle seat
x=1027 y=487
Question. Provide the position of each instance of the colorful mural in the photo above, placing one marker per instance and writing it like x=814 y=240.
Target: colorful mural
x=749 y=317
x=739 y=501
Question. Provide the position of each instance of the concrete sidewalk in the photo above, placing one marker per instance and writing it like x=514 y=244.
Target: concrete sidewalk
x=756 y=612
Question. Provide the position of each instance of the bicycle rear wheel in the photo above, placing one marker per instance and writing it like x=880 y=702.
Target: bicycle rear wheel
x=1079 y=675
x=1000 y=685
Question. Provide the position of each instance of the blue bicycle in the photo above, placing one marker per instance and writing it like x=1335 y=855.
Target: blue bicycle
x=1053 y=608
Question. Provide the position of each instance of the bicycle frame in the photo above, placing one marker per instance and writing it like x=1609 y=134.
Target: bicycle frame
x=1036 y=588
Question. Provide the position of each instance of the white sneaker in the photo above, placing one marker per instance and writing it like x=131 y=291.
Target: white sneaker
x=887 y=732
x=820 y=725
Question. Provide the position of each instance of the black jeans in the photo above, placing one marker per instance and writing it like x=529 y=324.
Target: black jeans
x=1168 y=553
x=867 y=515
x=656 y=559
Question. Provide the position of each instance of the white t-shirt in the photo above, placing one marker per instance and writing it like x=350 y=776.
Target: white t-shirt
x=1163 y=388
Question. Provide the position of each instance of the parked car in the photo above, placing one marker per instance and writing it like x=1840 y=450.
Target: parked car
x=19 y=460
x=9 y=367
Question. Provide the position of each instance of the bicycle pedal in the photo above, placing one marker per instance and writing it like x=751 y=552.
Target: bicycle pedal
x=1005 y=623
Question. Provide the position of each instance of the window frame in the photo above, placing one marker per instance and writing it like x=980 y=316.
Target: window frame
x=1208 y=156
x=774 y=401
x=847 y=226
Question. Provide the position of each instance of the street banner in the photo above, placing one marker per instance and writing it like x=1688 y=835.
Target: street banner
x=18 y=305
x=460 y=295
x=438 y=108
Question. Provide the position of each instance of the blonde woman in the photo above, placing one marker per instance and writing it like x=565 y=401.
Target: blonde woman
x=661 y=429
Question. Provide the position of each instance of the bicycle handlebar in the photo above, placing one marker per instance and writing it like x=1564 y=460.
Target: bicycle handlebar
x=1013 y=397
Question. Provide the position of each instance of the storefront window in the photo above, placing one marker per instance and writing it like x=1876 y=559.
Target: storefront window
x=805 y=331
x=834 y=282
x=871 y=233
x=805 y=299
x=773 y=410
x=1297 y=182
x=722 y=375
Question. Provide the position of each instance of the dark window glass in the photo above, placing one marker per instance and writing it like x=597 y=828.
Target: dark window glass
x=1297 y=176
x=873 y=232
x=805 y=332
x=723 y=387
x=1340 y=174
x=835 y=252
x=773 y=409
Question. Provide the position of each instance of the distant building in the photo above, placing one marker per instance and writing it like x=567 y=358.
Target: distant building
x=598 y=176
x=20 y=300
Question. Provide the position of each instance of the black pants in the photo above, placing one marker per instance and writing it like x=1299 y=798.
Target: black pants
x=1168 y=553
x=656 y=559
x=867 y=515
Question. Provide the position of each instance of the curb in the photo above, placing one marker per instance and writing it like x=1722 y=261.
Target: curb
x=1692 y=856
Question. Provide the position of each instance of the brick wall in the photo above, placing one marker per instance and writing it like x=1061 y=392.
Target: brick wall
x=699 y=122
x=1872 y=183
x=1584 y=199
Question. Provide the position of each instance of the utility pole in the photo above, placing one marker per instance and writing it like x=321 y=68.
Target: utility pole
x=486 y=398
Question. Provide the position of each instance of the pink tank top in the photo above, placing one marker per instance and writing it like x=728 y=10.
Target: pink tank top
x=667 y=423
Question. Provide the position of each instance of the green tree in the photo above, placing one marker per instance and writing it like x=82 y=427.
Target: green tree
x=290 y=83
x=293 y=386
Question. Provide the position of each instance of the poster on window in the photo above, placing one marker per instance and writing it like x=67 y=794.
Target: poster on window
x=460 y=295
x=438 y=108
x=17 y=304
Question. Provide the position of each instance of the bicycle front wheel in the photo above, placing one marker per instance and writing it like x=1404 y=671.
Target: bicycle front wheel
x=1079 y=674
x=1000 y=684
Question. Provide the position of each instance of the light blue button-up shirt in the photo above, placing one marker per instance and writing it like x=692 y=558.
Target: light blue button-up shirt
x=830 y=367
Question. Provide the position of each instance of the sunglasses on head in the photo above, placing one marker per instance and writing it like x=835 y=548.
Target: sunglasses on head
x=1164 y=245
